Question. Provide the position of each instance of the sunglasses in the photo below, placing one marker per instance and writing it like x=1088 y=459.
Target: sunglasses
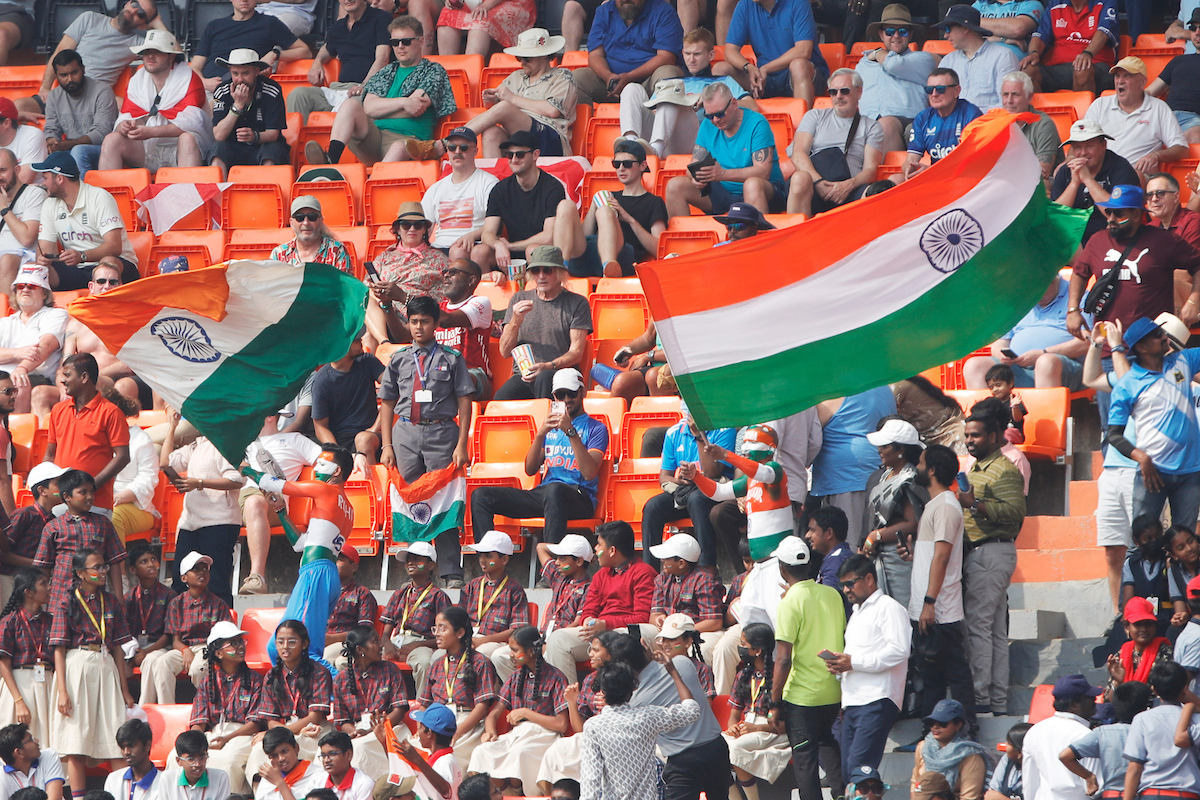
x=410 y=224
x=845 y=90
x=312 y=216
x=456 y=272
x=10 y=391
x=1159 y=193
x=896 y=31
x=850 y=584
x=106 y=281
x=457 y=148
x=870 y=788
x=939 y=89
x=624 y=164
x=540 y=270
x=719 y=114
x=138 y=11
x=405 y=42
x=563 y=394
x=737 y=227
x=518 y=154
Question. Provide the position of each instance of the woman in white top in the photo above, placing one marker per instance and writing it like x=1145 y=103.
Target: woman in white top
x=31 y=338
x=134 y=486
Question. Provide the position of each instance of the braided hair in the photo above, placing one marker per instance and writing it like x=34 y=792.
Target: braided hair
x=761 y=636
x=458 y=619
x=79 y=561
x=529 y=639
x=274 y=682
x=212 y=654
x=24 y=581
x=355 y=638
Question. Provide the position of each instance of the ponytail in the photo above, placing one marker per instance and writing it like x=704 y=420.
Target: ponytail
x=24 y=581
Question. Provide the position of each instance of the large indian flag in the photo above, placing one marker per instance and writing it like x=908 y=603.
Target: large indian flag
x=433 y=503
x=228 y=344
x=867 y=294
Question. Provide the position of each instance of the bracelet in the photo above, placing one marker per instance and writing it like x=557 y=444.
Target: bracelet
x=1120 y=349
x=388 y=445
x=234 y=110
x=930 y=600
x=1073 y=310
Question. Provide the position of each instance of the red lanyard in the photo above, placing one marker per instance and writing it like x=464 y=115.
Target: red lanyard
x=37 y=639
x=32 y=770
x=293 y=696
x=142 y=612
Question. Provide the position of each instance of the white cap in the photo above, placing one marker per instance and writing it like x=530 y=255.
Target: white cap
x=567 y=378
x=793 y=551
x=1174 y=328
x=33 y=275
x=159 y=41
x=418 y=549
x=895 y=431
x=45 y=471
x=1084 y=130
x=493 y=542
x=224 y=630
x=572 y=545
x=192 y=559
x=676 y=625
x=681 y=545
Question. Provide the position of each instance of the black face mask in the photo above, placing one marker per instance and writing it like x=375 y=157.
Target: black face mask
x=744 y=654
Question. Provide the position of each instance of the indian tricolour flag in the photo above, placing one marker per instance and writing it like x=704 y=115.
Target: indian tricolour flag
x=870 y=293
x=228 y=344
x=433 y=503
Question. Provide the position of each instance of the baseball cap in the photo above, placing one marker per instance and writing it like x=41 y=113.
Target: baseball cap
x=45 y=471
x=676 y=625
x=60 y=163
x=1193 y=587
x=572 y=545
x=437 y=718
x=1070 y=687
x=864 y=774
x=1139 y=609
x=631 y=147
x=681 y=545
x=1084 y=130
x=192 y=559
x=521 y=139
x=224 y=630
x=567 y=378
x=424 y=549
x=8 y=109
x=895 y=431
x=461 y=132
x=1138 y=330
x=306 y=201
x=946 y=710
x=1125 y=196
x=1132 y=65
x=493 y=542
x=349 y=553
x=793 y=551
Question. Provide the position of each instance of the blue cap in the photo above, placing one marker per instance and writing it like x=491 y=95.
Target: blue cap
x=60 y=163
x=1141 y=327
x=1124 y=196
x=437 y=718
x=1070 y=687
x=864 y=773
x=946 y=711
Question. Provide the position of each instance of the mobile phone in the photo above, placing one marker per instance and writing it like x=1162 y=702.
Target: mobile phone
x=827 y=655
x=964 y=485
x=1009 y=353
x=369 y=266
x=622 y=356
x=708 y=161
x=558 y=407
x=170 y=472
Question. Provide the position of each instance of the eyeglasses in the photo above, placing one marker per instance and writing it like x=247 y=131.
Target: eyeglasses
x=10 y=391
x=405 y=42
x=539 y=270
x=939 y=89
x=409 y=224
x=457 y=148
x=106 y=281
x=845 y=90
x=850 y=584
x=518 y=154
x=101 y=568
x=738 y=227
x=194 y=760
x=719 y=114
x=1160 y=193
x=624 y=164
x=312 y=216
x=138 y=11
x=456 y=272
x=326 y=755
x=896 y=31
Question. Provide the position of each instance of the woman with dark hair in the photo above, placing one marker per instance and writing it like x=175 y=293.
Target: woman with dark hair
x=936 y=415
x=368 y=689
x=894 y=505
x=226 y=699
x=756 y=751
x=949 y=751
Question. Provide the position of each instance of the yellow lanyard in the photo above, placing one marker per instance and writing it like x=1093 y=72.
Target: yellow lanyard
x=756 y=690
x=409 y=609
x=451 y=679
x=483 y=609
x=101 y=628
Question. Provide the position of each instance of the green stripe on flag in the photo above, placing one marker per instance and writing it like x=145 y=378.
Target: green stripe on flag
x=981 y=301
x=407 y=529
x=267 y=374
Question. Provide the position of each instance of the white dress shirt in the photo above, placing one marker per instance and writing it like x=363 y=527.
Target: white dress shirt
x=1044 y=776
x=878 y=640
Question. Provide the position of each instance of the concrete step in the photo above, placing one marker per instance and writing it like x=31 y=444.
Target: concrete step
x=1056 y=549
x=1083 y=495
x=1097 y=463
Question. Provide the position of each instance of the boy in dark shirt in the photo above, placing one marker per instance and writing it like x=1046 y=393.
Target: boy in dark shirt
x=343 y=403
x=146 y=603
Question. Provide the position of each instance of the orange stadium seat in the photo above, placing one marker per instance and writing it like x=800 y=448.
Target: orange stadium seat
x=17 y=82
x=367 y=514
x=619 y=316
x=259 y=198
x=465 y=73
x=202 y=248
x=1180 y=170
x=317 y=130
x=500 y=439
x=834 y=54
x=583 y=114
x=1042 y=705
x=537 y=409
x=200 y=218
x=601 y=133
x=939 y=46
x=1155 y=58
x=166 y=722
x=628 y=494
x=674 y=166
x=142 y=242
x=22 y=429
x=461 y=116
x=123 y=185
x=341 y=201
x=255 y=244
x=510 y=474
x=635 y=424
x=259 y=625
x=1159 y=41
x=683 y=242
x=619 y=286
x=394 y=182
x=357 y=242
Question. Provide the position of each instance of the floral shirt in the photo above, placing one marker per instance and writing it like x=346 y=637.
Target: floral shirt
x=332 y=252
x=416 y=270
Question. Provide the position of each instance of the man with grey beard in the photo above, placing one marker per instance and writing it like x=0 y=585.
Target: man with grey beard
x=631 y=41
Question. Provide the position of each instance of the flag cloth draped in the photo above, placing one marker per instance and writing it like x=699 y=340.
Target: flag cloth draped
x=164 y=204
x=229 y=344
x=433 y=503
x=870 y=293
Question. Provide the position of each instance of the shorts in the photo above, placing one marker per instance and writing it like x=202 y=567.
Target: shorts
x=237 y=154
x=588 y=265
x=1061 y=76
x=250 y=490
x=779 y=84
x=375 y=144
x=1114 y=509
x=24 y=24
x=1187 y=119
x=722 y=198
x=73 y=278
x=1072 y=374
x=483 y=384
x=161 y=152
x=549 y=142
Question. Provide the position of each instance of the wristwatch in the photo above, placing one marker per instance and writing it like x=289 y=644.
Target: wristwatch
x=930 y=600
x=571 y=432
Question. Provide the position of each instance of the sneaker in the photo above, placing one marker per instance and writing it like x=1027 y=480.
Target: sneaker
x=613 y=270
x=255 y=584
x=421 y=149
x=911 y=747
x=313 y=153
x=454 y=582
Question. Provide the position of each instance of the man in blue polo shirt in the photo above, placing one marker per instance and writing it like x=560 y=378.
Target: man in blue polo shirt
x=1156 y=394
x=938 y=129
x=783 y=35
x=631 y=41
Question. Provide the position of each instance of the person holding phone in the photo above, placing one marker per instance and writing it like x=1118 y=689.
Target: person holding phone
x=894 y=504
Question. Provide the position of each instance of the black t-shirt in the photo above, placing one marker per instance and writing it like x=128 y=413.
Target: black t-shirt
x=221 y=36
x=647 y=209
x=1114 y=171
x=1182 y=74
x=346 y=400
x=266 y=111
x=524 y=213
x=355 y=50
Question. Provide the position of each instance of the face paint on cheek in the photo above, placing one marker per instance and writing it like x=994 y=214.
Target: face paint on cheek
x=324 y=468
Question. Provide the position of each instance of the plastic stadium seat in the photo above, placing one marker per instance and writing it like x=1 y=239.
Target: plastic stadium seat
x=635 y=424
x=317 y=130
x=123 y=185
x=341 y=201
x=23 y=81
x=1080 y=101
x=794 y=107
x=537 y=409
x=494 y=76
x=166 y=722
x=611 y=409
x=461 y=116
x=784 y=129
x=601 y=133
x=151 y=417
x=619 y=316
x=579 y=129
x=22 y=428
x=682 y=242
x=501 y=366
x=259 y=625
x=939 y=46
x=674 y=166
x=1181 y=169
x=142 y=242
x=202 y=248
x=619 y=286
x=1054 y=101
x=857 y=50
x=639 y=466
x=498 y=294
x=256 y=244
x=259 y=198
x=357 y=240
x=503 y=60
x=502 y=438
x=1155 y=57
x=392 y=183
x=361 y=494
x=1042 y=705
x=785 y=220
x=1157 y=41
x=198 y=219
x=721 y=709
x=574 y=58
x=465 y=72
x=670 y=404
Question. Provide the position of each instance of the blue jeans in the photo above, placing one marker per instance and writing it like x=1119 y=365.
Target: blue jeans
x=1187 y=119
x=86 y=156
x=1182 y=489
x=660 y=509
x=312 y=601
x=864 y=735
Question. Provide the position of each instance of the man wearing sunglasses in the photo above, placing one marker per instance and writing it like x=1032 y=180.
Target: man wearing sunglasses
x=895 y=94
x=248 y=115
x=937 y=130
x=247 y=28
x=873 y=669
x=458 y=202
x=979 y=63
x=162 y=121
x=623 y=228
x=313 y=242
x=1162 y=201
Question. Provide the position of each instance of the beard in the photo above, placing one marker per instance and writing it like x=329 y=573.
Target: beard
x=629 y=11
x=922 y=478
